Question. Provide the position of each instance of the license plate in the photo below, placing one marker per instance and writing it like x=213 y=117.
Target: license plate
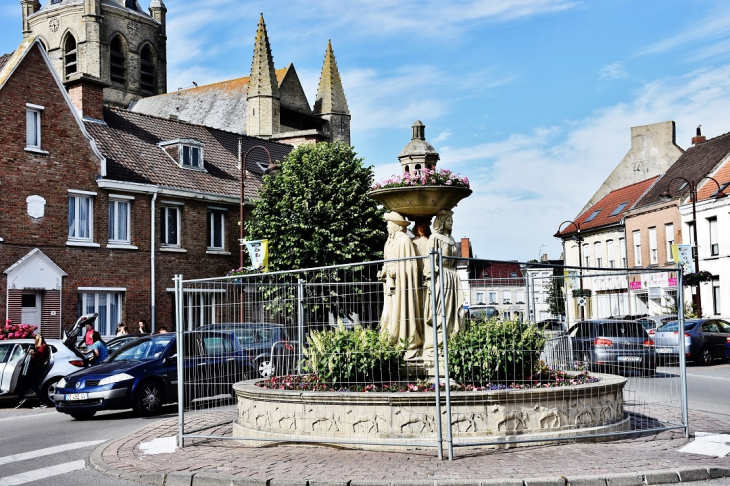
x=629 y=358
x=77 y=396
x=663 y=350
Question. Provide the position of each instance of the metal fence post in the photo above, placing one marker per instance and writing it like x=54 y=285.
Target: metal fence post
x=179 y=330
x=680 y=350
x=447 y=384
x=437 y=388
x=300 y=323
x=528 y=300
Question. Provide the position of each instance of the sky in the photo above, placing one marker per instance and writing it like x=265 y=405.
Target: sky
x=533 y=100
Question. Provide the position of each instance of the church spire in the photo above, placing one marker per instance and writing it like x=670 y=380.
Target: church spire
x=263 y=76
x=330 y=94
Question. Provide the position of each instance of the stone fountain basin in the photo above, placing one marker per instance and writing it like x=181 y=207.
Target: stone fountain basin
x=383 y=420
x=419 y=201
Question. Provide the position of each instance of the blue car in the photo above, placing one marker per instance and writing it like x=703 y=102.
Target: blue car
x=704 y=340
x=142 y=374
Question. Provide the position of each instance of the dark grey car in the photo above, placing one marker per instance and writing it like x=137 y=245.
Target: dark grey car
x=616 y=346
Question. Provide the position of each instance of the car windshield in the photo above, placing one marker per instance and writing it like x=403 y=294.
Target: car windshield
x=674 y=326
x=621 y=329
x=143 y=351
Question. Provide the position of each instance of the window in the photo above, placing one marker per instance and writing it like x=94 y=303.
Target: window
x=198 y=309
x=716 y=296
x=192 y=157
x=618 y=209
x=520 y=297
x=593 y=216
x=586 y=255
x=723 y=186
x=480 y=297
x=170 y=227
x=80 y=217
x=669 y=237
x=691 y=233
x=147 y=80
x=622 y=250
x=131 y=4
x=653 y=251
x=215 y=229
x=637 y=248
x=506 y=297
x=492 y=298
x=33 y=126
x=69 y=56
x=117 y=61
x=119 y=221
x=597 y=248
x=611 y=254
x=108 y=304
x=714 y=245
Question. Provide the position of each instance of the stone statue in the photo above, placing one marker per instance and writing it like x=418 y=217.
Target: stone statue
x=453 y=296
x=402 y=316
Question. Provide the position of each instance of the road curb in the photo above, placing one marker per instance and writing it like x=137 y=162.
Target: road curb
x=187 y=478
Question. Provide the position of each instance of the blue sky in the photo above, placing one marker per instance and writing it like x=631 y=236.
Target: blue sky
x=533 y=100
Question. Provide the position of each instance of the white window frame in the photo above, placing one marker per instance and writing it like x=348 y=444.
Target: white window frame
x=611 y=254
x=492 y=298
x=480 y=298
x=90 y=301
x=164 y=229
x=637 y=247
x=716 y=296
x=587 y=254
x=74 y=231
x=192 y=149
x=114 y=203
x=653 y=250
x=622 y=251
x=216 y=216
x=597 y=249
x=669 y=238
x=714 y=237
x=33 y=116
x=506 y=297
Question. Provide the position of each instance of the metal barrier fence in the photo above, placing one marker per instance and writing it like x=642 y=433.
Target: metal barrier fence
x=499 y=375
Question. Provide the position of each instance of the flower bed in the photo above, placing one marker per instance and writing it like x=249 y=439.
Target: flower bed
x=424 y=177
x=16 y=331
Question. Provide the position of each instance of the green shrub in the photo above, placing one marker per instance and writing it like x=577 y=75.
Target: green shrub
x=492 y=350
x=342 y=356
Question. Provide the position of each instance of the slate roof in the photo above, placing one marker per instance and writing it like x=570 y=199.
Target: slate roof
x=607 y=206
x=129 y=143
x=694 y=164
x=218 y=105
x=4 y=60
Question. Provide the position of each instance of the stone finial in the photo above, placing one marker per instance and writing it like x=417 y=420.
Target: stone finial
x=418 y=153
x=419 y=131
x=262 y=81
x=330 y=93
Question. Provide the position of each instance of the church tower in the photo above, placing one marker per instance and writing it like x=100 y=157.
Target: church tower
x=331 y=104
x=112 y=44
x=263 y=97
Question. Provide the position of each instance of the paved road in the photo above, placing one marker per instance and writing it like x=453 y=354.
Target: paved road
x=42 y=446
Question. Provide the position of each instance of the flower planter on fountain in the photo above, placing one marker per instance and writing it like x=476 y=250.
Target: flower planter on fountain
x=420 y=201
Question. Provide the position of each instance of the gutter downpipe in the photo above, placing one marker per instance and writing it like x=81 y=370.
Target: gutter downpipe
x=153 y=326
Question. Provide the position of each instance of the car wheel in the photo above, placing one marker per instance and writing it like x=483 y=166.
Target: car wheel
x=706 y=356
x=49 y=388
x=265 y=368
x=82 y=415
x=149 y=399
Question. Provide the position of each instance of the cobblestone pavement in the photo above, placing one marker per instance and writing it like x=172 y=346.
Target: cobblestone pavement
x=638 y=453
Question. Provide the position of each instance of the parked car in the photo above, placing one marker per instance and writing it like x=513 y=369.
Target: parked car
x=651 y=323
x=117 y=342
x=705 y=340
x=553 y=326
x=622 y=347
x=269 y=345
x=13 y=356
x=143 y=375
x=482 y=312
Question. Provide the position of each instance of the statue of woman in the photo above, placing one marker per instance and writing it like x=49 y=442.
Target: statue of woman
x=403 y=307
x=453 y=298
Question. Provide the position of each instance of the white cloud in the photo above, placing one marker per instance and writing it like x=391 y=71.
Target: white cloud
x=442 y=136
x=715 y=25
x=613 y=71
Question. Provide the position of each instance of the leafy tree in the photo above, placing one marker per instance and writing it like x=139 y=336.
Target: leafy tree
x=316 y=211
x=555 y=298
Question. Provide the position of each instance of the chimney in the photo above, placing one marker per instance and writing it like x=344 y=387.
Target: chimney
x=465 y=248
x=698 y=139
x=544 y=258
x=87 y=94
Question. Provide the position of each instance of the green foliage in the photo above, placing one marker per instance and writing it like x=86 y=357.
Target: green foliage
x=360 y=355
x=555 y=297
x=495 y=350
x=316 y=211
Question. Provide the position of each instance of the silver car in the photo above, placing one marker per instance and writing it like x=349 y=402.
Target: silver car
x=13 y=354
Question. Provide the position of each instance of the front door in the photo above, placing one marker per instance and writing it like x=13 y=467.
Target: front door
x=31 y=309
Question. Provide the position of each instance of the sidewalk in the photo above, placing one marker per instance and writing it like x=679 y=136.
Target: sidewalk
x=645 y=459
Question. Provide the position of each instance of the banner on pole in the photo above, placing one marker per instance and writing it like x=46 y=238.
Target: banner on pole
x=258 y=250
x=683 y=254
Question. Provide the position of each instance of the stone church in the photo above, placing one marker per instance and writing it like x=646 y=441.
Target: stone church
x=118 y=47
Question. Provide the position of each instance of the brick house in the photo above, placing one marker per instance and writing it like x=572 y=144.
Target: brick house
x=100 y=211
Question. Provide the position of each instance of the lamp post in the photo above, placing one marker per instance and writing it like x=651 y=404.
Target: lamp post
x=577 y=238
x=666 y=195
x=272 y=169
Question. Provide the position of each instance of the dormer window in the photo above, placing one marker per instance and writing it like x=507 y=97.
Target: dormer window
x=187 y=153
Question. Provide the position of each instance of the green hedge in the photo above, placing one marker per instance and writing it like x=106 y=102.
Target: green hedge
x=492 y=350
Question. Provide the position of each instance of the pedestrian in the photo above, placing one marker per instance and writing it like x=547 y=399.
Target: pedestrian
x=88 y=340
x=39 y=357
x=142 y=327
x=163 y=330
x=121 y=329
x=99 y=349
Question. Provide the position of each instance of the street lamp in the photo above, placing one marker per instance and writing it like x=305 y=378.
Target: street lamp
x=272 y=169
x=578 y=239
x=666 y=196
